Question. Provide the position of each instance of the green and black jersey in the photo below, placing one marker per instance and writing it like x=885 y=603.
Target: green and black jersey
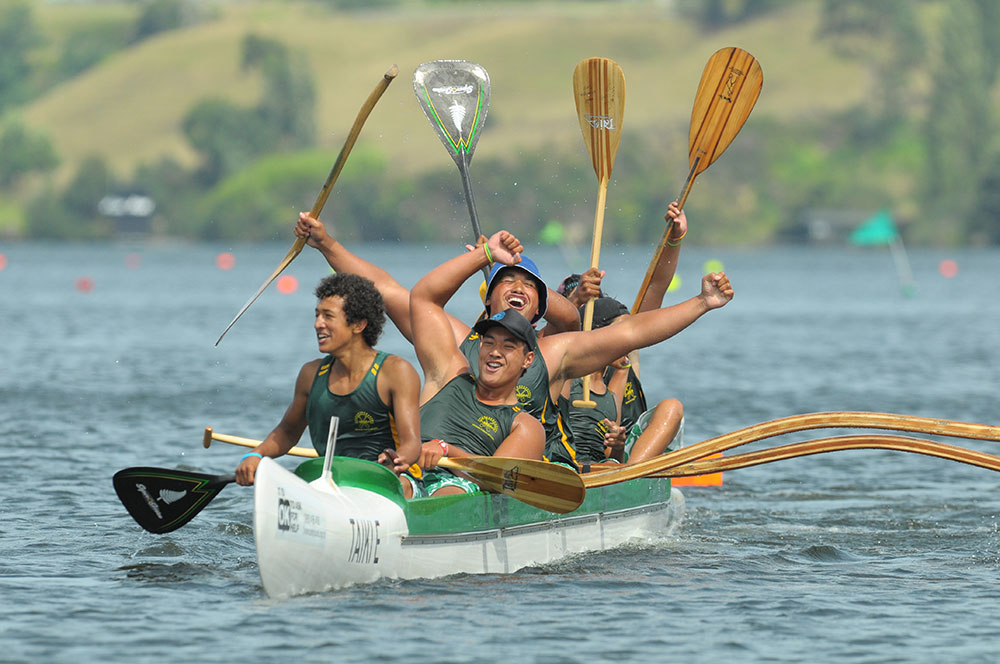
x=533 y=395
x=366 y=425
x=457 y=417
x=633 y=399
x=587 y=424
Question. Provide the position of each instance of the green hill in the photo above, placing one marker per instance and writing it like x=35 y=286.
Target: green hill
x=129 y=108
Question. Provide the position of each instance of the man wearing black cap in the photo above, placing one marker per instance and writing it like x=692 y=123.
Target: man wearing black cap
x=575 y=354
x=463 y=413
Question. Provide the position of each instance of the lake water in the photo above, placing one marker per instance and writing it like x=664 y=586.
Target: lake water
x=863 y=556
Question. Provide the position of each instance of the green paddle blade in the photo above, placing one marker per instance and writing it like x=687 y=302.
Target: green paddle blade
x=161 y=500
x=455 y=96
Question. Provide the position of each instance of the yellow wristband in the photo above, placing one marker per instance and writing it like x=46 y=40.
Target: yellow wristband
x=486 y=250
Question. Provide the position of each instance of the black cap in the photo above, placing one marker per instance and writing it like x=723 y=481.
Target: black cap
x=606 y=310
x=513 y=322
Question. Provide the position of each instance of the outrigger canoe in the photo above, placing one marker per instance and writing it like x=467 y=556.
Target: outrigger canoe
x=317 y=532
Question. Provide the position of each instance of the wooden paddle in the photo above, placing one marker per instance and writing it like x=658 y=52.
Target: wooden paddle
x=455 y=97
x=808 y=421
x=599 y=90
x=541 y=484
x=836 y=444
x=729 y=87
x=324 y=193
x=161 y=499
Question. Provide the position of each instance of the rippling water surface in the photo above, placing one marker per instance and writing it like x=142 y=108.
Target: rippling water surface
x=862 y=556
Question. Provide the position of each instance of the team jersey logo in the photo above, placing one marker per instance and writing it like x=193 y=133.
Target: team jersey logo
x=523 y=394
x=488 y=425
x=363 y=421
x=629 y=392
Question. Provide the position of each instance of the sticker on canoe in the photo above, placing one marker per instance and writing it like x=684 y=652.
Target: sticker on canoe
x=297 y=523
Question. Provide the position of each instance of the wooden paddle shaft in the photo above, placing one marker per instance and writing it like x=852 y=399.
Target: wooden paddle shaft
x=250 y=442
x=324 y=192
x=595 y=257
x=541 y=484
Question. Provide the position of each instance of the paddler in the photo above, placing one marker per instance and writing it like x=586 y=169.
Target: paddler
x=463 y=412
x=602 y=435
x=563 y=356
x=374 y=394
x=641 y=433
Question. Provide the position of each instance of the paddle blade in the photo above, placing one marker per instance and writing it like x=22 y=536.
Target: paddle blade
x=547 y=486
x=455 y=96
x=162 y=500
x=728 y=90
x=599 y=89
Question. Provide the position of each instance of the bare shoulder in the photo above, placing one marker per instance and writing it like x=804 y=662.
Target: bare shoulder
x=310 y=368
x=530 y=422
x=396 y=367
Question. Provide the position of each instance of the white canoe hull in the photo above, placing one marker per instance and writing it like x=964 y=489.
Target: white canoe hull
x=313 y=537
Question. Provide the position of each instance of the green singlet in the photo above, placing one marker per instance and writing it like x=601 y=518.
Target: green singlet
x=533 y=395
x=457 y=417
x=587 y=424
x=633 y=399
x=366 y=426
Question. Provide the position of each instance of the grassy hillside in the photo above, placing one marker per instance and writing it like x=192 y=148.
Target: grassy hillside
x=129 y=108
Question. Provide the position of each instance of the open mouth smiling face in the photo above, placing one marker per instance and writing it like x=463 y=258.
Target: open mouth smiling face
x=515 y=290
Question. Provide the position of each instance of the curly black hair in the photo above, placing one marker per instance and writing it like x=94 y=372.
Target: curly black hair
x=362 y=301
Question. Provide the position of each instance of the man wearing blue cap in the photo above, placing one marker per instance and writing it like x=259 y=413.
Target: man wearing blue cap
x=465 y=411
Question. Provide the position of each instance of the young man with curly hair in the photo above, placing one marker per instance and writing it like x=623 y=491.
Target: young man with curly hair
x=374 y=394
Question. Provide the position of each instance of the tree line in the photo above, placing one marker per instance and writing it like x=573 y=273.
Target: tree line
x=939 y=169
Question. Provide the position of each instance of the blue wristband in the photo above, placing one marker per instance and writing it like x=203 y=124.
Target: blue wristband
x=250 y=454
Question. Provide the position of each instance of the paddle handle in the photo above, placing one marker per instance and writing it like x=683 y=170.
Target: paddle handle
x=250 y=442
x=595 y=257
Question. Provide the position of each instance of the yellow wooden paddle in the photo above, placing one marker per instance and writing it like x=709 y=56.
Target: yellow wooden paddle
x=324 y=193
x=599 y=90
x=729 y=87
x=544 y=485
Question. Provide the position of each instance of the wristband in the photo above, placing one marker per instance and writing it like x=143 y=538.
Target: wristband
x=250 y=454
x=444 y=446
x=677 y=241
x=486 y=250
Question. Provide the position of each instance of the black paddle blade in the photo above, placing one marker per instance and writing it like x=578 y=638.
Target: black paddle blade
x=161 y=500
x=455 y=96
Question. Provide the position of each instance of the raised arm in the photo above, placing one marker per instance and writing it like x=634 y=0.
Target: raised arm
x=437 y=351
x=580 y=353
x=396 y=297
x=665 y=268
